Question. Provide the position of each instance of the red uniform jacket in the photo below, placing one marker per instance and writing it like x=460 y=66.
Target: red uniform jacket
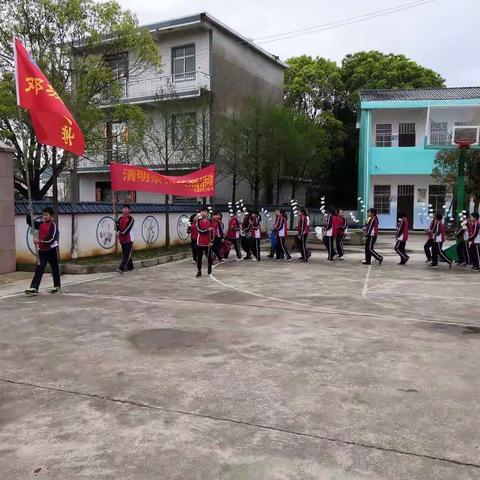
x=430 y=230
x=124 y=227
x=438 y=231
x=371 y=227
x=303 y=225
x=342 y=225
x=254 y=227
x=204 y=234
x=233 y=228
x=336 y=223
x=47 y=234
x=402 y=230
x=475 y=233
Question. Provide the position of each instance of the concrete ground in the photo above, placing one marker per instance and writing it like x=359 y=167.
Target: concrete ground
x=268 y=370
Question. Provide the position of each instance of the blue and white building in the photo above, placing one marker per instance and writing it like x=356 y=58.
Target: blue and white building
x=401 y=131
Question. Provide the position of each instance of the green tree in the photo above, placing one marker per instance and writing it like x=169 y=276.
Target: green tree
x=373 y=70
x=445 y=172
x=67 y=40
x=312 y=85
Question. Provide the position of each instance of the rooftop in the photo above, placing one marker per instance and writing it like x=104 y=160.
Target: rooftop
x=204 y=19
x=454 y=93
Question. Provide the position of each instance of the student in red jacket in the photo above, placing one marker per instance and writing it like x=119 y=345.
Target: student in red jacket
x=474 y=240
x=255 y=234
x=341 y=233
x=204 y=241
x=428 y=247
x=401 y=237
x=303 y=229
x=438 y=233
x=280 y=230
x=124 y=231
x=233 y=234
x=370 y=233
x=47 y=243
x=329 y=232
x=192 y=231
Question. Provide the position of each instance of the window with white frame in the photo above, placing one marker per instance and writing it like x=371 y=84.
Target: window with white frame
x=381 y=198
x=116 y=134
x=383 y=135
x=184 y=130
x=439 y=133
x=183 y=62
x=406 y=135
x=436 y=197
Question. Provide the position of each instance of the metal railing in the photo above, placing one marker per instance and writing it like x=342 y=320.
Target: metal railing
x=165 y=86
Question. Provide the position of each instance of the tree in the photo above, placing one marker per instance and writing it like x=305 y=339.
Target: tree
x=373 y=70
x=445 y=172
x=67 y=39
x=312 y=85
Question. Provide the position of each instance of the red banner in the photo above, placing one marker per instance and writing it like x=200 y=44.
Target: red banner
x=52 y=121
x=200 y=183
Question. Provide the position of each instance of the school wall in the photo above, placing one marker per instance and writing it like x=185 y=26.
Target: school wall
x=7 y=217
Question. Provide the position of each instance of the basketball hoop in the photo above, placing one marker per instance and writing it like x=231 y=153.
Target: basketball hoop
x=464 y=143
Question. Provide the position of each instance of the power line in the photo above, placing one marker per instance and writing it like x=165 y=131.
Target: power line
x=341 y=23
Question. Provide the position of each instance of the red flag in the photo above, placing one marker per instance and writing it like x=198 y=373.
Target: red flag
x=51 y=119
x=200 y=183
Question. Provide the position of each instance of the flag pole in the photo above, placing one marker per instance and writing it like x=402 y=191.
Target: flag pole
x=25 y=154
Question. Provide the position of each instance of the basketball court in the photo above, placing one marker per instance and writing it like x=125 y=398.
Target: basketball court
x=271 y=370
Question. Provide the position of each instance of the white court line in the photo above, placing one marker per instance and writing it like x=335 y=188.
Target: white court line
x=335 y=311
x=365 y=285
x=87 y=280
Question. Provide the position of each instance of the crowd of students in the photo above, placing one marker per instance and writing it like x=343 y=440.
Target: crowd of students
x=210 y=238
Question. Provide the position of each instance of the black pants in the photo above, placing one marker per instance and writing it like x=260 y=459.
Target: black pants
x=369 y=250
x=201 y=251
x=329 y=242
x=340 y=239
x=281 y=249
x=245 y=242
x=194 y=249
x=217 y=243
x=303 y=247
x=127 y=264
x=400 y=249
x=255 y=247
x=428 y=249
x=437 y=253
x=475 y=255
x=44 y=257
x=235 y=244
x=462 y=252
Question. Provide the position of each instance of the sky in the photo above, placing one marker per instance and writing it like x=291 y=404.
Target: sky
x=441 y=35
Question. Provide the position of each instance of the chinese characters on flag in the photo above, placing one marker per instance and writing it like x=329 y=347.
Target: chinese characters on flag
x=51 y=119
x=200 y=183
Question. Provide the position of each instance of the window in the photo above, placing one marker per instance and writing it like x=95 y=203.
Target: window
x=439 y=133
x=381 y=198
x=436 y=197
x=383 y=135
x=184 y=130
x=406 y=135
x=118 y=62
x=116 y=134
x=183 y=63
x=103 y=193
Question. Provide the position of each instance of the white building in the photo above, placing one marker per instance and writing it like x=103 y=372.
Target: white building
x=208 y=72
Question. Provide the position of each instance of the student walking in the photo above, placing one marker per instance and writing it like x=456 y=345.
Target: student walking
x=280 y=229
x=47 y=243
x=474 y=240
x=462 y=235
x=328 y=237
x=342 y=229
x=438 y=233
x=255 y=234
x=428 y=247
x=204 y=241
x=192 y=231
x=371 y=232
x=401 y=237
x=233 y=234
x=302 y=229
x=124 y=226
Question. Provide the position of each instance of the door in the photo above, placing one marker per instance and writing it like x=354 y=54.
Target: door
x=405 y=202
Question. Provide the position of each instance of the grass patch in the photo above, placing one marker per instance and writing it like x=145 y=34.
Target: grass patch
x=137 y=255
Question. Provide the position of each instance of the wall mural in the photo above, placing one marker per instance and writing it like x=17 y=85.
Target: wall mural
x=106 y=232
x=150 y=230
x=182 y=226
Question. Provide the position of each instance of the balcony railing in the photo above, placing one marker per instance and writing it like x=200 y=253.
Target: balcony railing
x=166 y=87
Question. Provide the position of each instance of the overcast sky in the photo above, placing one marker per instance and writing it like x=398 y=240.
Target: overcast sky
x=441 y=35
